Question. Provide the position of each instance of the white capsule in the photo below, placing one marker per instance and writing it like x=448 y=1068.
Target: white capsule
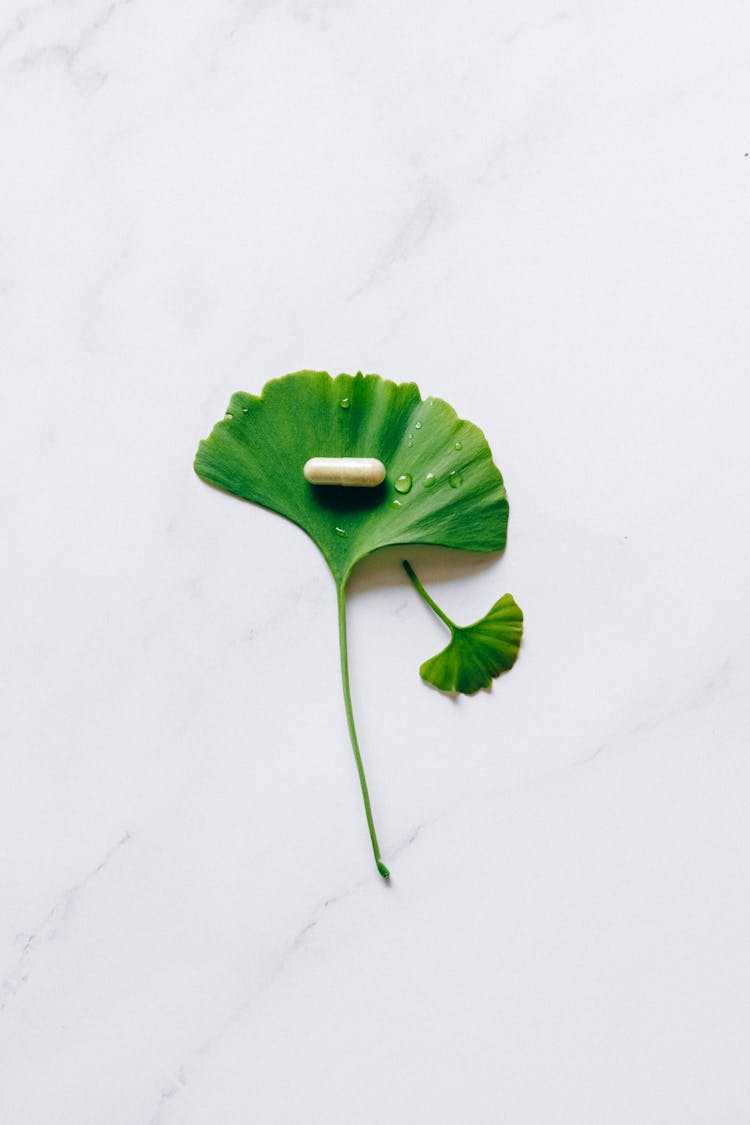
x=355 y=472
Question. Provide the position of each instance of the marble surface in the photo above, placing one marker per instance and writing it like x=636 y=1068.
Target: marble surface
x=538 y=211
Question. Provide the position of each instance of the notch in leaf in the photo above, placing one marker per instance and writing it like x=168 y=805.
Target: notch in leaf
x=441 y=485
x=476 y=653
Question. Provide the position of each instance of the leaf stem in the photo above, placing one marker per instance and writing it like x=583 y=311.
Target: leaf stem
x=426 y=597
x=352 y=730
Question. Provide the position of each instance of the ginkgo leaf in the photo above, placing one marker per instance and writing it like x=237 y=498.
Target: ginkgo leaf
x=476 y=653
x=441 y=486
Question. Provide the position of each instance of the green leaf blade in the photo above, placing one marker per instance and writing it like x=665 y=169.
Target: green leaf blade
x=478 y=653
x=258 y=451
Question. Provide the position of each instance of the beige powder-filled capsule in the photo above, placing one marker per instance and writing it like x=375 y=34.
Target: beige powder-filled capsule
x=356 y=472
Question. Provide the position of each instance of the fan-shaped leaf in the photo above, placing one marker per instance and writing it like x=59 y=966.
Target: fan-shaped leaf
x=479 y=652
x=441 y=485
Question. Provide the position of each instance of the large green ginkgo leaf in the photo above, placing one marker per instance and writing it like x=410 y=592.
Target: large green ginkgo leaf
x=441 y=486
x=456 y=496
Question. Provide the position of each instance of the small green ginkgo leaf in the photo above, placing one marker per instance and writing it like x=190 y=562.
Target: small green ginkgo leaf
x=441 y=485
x=477 y=653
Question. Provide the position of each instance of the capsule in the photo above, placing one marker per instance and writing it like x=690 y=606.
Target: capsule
x=353 y=472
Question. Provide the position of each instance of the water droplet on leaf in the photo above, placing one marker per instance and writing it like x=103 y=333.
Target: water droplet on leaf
x=403 y=483
x=395 y=503
x=458 y=445
x=417 y=425
x=345 y=403
x=429 y=480
x=340 y=531
x=455 y=479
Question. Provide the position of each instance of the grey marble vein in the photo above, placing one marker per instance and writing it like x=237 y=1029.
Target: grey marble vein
x=63 y=45
x=292 y=948
x=716 y=683
x=50 y=926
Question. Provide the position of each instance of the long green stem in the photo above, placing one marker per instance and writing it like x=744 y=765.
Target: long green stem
x=353 y=733
x=423 y=593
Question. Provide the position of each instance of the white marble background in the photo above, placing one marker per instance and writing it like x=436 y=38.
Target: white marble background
x=538 y=211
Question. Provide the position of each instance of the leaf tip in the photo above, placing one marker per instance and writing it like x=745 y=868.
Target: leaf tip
x=383 y=869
